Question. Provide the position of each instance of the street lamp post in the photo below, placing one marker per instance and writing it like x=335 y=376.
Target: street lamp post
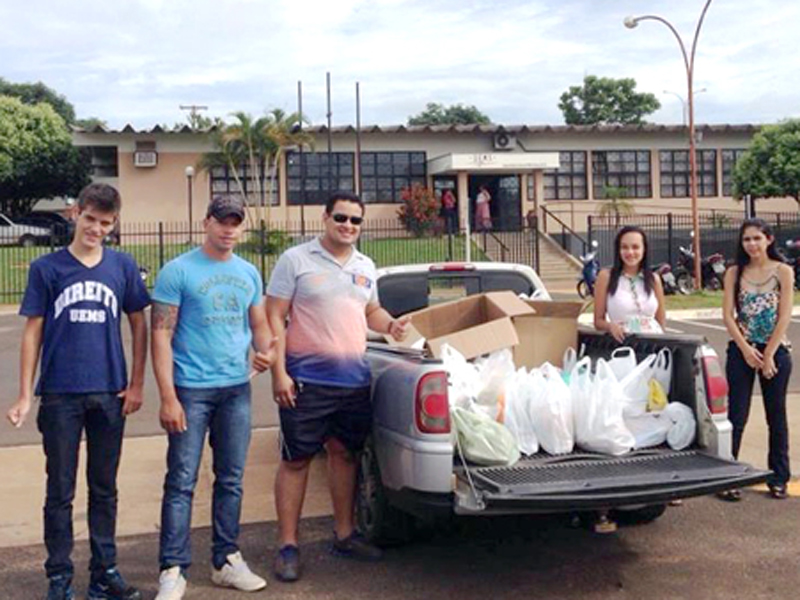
x=683 y=102
x=189 y=171
x=688 y=61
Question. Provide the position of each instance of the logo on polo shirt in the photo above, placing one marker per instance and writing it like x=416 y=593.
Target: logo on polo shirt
x=362 y=281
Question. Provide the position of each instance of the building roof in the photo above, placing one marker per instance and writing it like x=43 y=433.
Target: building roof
x=488 y=129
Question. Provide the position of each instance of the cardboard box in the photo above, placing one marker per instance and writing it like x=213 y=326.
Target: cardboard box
x=474 y=325
x=545 y=334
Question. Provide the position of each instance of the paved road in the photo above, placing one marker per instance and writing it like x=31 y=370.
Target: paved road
x=703 y=550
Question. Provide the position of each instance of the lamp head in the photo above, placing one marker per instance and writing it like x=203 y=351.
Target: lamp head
x=189 y=171
x=631 y=22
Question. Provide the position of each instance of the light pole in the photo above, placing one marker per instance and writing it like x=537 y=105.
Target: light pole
x=189 y=171
x=688 y=61
x=683 y=102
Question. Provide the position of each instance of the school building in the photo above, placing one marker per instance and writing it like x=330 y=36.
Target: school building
x=526 y=168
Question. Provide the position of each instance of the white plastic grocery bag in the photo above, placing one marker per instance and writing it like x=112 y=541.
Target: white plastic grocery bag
x=517 y=414
x=622 y=361
x=550 y=407
x=463 y=378
x=684 y=426
x=649 y=429
x=493 y=372
x=662 y=369
x=636 y=387
x=597 y=407
x=569 y=361
x=483 y=440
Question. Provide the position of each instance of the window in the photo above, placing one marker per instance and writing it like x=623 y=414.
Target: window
x=568 y=182
x=385 y=174
x=729 y=159
x=103 y=160
x=629 y=169
x=320 y=174
x=675 y=173
x=223 y=181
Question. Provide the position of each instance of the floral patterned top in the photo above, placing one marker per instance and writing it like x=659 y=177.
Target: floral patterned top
x=758 y=308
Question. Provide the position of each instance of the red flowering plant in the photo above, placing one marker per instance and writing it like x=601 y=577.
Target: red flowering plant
x=420 y=212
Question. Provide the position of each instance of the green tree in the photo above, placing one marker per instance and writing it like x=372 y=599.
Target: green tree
x=616 y=203
x=604 y=101
x=90 y=123
x=37 y=158
x=455 y=114
x=34 y=93
x=770 y=168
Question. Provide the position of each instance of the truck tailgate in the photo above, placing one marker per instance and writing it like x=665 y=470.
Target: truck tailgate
x=581 y=481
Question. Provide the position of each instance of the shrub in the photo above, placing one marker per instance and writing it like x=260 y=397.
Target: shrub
x=420 y=212
x=275 y=241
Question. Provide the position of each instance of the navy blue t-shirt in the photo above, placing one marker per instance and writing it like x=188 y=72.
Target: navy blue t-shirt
x=82 y=307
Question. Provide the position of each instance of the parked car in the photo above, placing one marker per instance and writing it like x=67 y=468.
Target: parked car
x=408 y=472
x=13 y=233
x=60 y=227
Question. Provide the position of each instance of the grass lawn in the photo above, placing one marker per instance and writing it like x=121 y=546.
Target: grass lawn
x=704 y=299
x=148 y=253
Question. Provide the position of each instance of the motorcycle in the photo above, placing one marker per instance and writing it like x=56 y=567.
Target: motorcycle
x=591 y=267
x=664 y=271
x=712 y=270
x=792 y=255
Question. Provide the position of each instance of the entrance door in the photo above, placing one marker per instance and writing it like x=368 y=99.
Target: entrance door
x=505 y=207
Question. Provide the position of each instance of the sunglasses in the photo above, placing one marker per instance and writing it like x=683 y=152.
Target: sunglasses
x=340 y=218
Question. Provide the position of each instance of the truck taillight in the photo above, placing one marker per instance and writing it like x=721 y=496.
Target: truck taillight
x=716 y=385
x=432 y=409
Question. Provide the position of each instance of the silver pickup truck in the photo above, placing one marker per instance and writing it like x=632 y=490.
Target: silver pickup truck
x=408 y=471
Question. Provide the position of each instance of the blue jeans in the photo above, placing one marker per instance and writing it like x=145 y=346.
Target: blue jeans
x=741 y=377
x=62 y=418
x=225 y=414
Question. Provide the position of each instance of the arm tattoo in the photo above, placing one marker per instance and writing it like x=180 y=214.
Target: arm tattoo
x=164 y=316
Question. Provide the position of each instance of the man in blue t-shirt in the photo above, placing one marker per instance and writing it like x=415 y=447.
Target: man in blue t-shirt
x=74 y=303
x=207 y=311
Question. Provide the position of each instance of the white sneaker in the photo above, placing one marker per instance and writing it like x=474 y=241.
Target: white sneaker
x=236 y=574
x=171 y=584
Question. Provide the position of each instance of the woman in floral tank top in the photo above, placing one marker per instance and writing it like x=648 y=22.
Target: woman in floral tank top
x=757 y=309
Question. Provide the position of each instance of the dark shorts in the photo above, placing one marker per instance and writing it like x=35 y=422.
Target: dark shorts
x=322 y=412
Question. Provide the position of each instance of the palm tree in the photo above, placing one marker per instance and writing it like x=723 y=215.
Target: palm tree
x=285 y=131
x=616 y=204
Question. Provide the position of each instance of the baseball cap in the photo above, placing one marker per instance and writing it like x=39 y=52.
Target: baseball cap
x=222 y=207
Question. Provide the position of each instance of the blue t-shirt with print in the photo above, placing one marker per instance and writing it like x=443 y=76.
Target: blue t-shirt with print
x=212 y=337
x=82 y=307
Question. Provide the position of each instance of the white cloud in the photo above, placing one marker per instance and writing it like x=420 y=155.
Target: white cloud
x=137 y=60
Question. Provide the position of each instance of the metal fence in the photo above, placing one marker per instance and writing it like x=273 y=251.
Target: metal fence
x=387 y=243
x=719 y=232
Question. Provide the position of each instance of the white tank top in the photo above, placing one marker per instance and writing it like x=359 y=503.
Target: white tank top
x=631 y=300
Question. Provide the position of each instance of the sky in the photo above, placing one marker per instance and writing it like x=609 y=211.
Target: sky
x=137 y=61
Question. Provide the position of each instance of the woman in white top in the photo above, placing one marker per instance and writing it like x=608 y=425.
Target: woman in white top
x=629 y=297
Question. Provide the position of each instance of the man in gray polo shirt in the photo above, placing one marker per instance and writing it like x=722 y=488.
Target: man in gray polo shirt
x=320 y=377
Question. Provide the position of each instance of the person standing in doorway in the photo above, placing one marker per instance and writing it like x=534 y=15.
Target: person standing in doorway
x=321 y=379
x=207 y=311
x=483 y=214
x=757 y=309
x=449 y=211
x=74 y=304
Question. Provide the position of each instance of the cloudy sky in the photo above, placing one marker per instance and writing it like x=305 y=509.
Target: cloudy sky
x=136 y=61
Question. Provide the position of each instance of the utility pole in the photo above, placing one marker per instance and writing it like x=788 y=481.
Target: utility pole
x=194 y=113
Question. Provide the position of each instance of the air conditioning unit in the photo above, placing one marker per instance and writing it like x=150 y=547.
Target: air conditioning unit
x=145 y=159
x=504 y=141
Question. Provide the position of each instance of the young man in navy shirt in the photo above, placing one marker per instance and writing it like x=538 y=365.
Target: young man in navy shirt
x=74 y=304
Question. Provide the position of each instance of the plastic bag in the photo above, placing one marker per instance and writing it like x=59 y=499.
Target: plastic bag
x=597 y=408
x=656 y=398
x=636 y=387
x=684 y=426
x=463 y=380
x=550 y=406
x=517 y=414
x=493 y=371
x=662 y=369
x=649 y=429
x=484 y=441
x=622 y=361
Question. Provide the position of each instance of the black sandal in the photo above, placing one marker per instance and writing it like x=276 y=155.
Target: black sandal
x=779 y=492
x=730 y=495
